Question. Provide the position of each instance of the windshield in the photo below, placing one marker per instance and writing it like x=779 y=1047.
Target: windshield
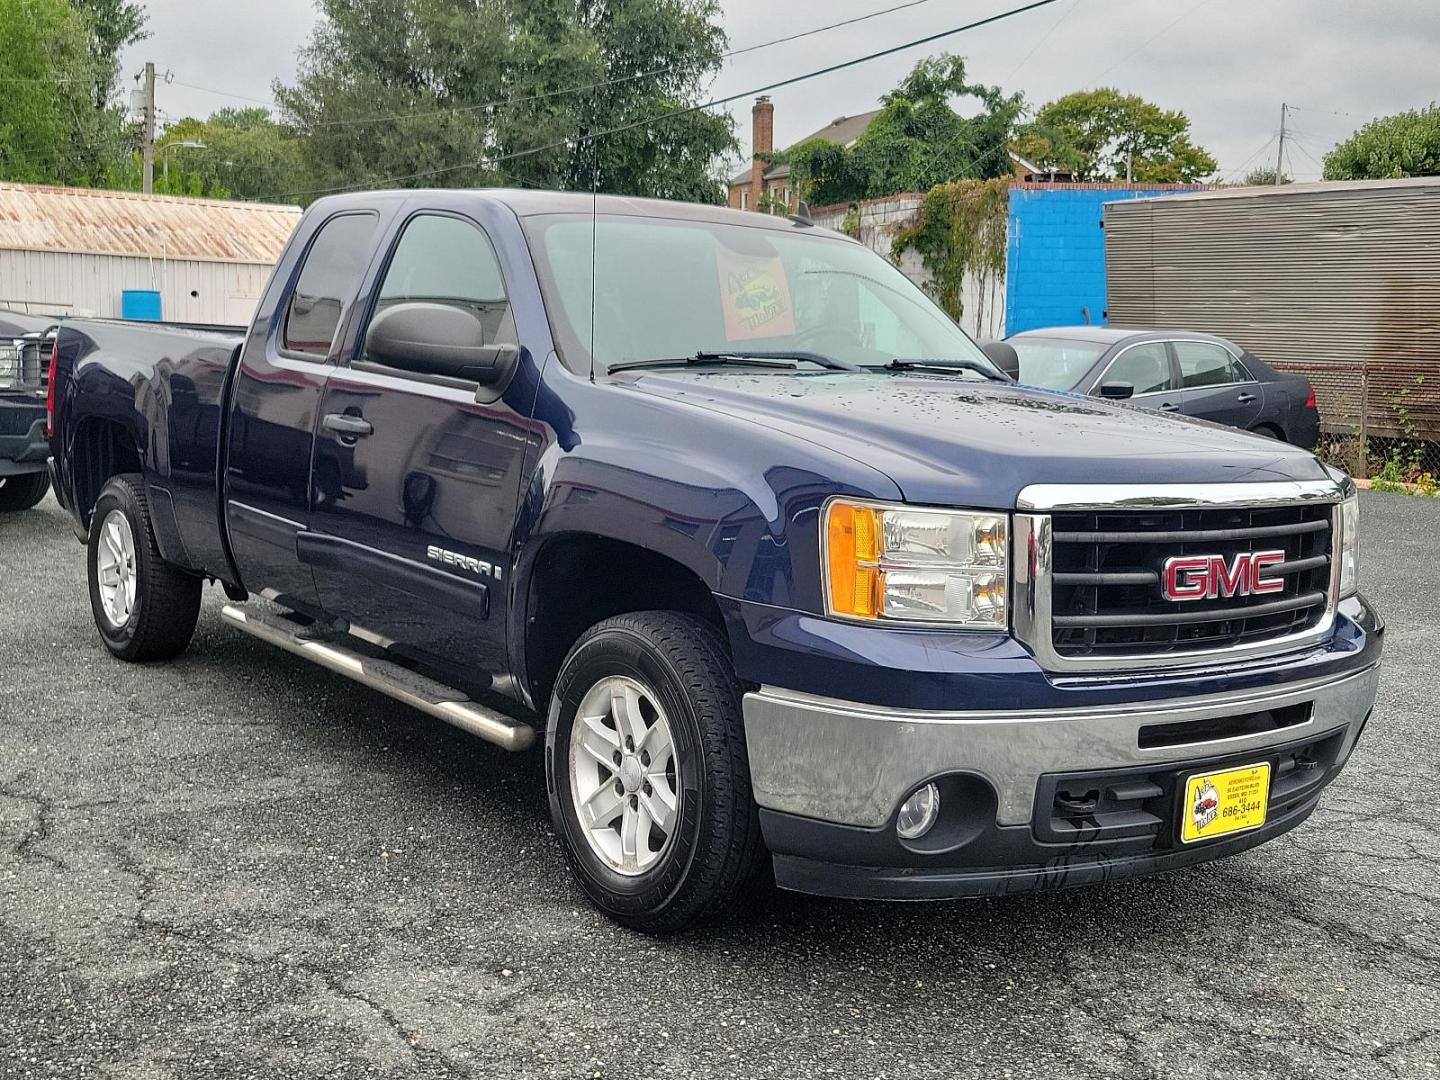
x=1055 y=363
x=669 y=289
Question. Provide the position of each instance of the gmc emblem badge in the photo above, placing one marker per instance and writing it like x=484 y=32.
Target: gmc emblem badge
x=1206 y=577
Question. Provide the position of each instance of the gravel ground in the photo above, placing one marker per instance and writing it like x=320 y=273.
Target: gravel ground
x=238 y=865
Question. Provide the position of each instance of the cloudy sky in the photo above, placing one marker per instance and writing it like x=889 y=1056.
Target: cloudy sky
x=1228 y=63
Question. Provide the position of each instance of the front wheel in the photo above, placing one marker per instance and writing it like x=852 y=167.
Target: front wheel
x=648 y=777
x=22 y=492
x=144 y=608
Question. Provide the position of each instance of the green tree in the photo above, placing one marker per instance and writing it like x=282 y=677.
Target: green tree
x=1265 y=177
x=112 y=24
x=1097 y=134
x=242 y=154
x=45 y=58
x=1406 y=144
x=918 y=139
x=405 y=92
x=58 y=120
x=245 y=154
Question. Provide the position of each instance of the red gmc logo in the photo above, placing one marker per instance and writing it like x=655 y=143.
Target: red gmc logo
x=1206 y=577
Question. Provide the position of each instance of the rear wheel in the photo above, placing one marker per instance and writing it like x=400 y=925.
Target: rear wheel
x=144 y=608
x=1270 y=431
x=22 y=492
x=648 y=777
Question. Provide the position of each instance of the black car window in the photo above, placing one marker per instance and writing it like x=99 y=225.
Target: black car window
x=1203 y=364
x=328 y=282
x=1145 y=366
x=448 y=260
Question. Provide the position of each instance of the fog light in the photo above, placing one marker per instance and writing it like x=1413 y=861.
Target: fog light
x=918 y=813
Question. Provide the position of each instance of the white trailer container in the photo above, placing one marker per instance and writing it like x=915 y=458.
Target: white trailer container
x=75 y=250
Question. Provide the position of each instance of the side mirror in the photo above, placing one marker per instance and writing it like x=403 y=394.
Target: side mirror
x=1117 y=391
x=439 y=341
x=1003 y=355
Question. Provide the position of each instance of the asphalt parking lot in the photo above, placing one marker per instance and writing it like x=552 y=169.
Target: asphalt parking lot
x=237 y=865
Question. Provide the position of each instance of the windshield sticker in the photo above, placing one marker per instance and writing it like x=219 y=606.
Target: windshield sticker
x=756 y=297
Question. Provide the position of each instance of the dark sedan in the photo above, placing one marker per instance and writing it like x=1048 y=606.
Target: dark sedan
x=1176 y=371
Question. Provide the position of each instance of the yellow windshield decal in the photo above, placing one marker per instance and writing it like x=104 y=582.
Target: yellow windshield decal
x=756 y=297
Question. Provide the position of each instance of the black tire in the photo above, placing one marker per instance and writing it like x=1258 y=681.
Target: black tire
x=167 y=599
x=715 y=853
x=1270 y=431
x=22 y=492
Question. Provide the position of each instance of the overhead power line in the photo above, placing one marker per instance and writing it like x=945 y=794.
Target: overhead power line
x=662 y=117
x=1239 y=170
x=1154 y=38
x=1040 y=41
x=222 y=93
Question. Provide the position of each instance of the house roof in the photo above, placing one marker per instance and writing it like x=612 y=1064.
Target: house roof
x=843 y=130
x=36 y=217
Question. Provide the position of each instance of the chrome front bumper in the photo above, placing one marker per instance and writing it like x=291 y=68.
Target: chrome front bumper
x=853 y=764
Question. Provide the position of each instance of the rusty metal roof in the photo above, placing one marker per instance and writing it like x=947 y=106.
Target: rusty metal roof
x=36 y=217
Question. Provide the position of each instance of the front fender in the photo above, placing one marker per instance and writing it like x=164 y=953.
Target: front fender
x=733 y=502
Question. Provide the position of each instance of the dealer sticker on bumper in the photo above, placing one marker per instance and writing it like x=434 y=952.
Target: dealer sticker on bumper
x=1219 y=803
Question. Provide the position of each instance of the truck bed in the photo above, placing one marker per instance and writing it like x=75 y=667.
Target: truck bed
x=164 y=384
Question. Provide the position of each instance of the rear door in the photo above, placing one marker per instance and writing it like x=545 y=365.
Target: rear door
x=416 y=480
x=1217 y=386
x=283 y=369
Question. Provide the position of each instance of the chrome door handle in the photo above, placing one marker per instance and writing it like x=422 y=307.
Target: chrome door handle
x=347 y=426
x=1245 y=399
x=1168 y=406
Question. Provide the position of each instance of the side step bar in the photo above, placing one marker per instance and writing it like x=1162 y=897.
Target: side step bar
x=402 y=684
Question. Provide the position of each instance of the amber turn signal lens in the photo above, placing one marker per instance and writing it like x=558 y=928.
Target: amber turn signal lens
x=854 y=552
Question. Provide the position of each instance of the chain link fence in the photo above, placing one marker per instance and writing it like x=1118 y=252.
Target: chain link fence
x=1378 y=419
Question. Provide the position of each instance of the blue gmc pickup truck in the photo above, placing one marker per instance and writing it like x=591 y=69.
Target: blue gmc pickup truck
x=717 y=508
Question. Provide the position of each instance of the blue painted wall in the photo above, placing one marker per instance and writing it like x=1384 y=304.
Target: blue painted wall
x=1055 y=262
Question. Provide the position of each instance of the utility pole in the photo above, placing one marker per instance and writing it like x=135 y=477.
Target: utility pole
x=1280 y=150
x=147 y=138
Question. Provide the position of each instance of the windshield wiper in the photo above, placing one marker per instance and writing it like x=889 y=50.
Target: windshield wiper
x=954 y=363
x=820 y=359
x=782 y=360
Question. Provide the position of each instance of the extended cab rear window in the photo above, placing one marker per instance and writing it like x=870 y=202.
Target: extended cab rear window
x=328 y=282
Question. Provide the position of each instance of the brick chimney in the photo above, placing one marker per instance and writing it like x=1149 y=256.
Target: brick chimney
x=762 y=141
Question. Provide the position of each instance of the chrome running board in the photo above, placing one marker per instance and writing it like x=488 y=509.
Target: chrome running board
x=406 y=686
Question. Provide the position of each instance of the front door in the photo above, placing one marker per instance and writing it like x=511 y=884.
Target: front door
x=1147 y=369
x=276 y=399
x=416 y=480
x=1217 y=386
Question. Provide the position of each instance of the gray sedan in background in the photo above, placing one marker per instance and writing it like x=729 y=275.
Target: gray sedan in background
x=1176 y=371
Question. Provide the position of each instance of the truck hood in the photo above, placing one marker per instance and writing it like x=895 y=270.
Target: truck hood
x=961 y=442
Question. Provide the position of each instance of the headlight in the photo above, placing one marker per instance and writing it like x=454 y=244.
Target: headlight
x=9 y=364
x=900 y=564
x=1347 y=547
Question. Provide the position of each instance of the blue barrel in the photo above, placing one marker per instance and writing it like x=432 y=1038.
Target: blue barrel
x=140 y=304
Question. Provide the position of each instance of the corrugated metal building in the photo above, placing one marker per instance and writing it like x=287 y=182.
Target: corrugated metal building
x=74 y=251
x=1340 y=281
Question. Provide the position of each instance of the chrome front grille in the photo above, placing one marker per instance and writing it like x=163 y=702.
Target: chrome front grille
x=1105 y=589
x=1088 y=573
x=25 y=363
x=35 y=362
